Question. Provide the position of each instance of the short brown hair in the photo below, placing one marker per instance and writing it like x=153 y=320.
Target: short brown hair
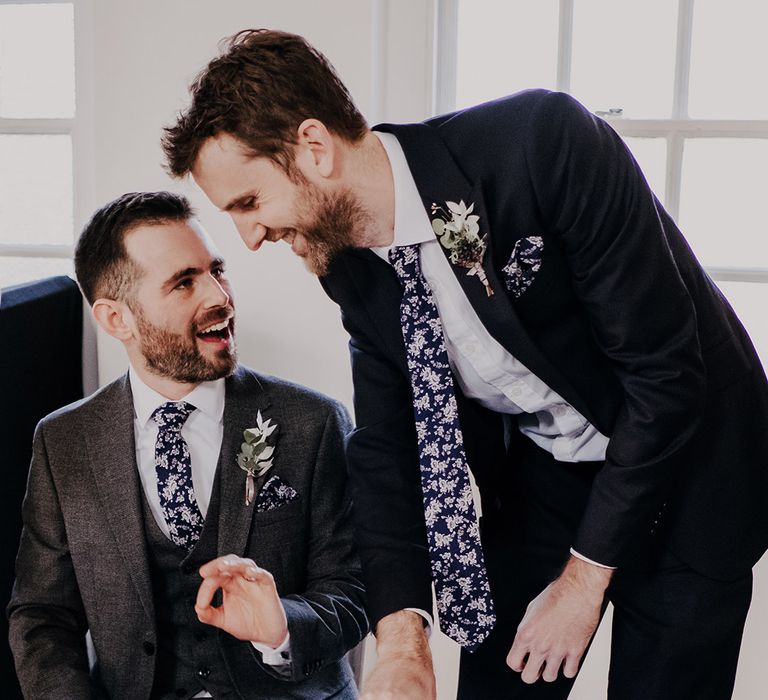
x=102 y=265
x=259 y=90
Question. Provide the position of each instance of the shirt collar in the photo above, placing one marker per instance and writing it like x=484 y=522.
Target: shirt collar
x=207 y=397
x=412 y=225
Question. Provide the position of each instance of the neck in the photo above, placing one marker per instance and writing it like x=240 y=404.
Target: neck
x=169 y=388
x=372 y=182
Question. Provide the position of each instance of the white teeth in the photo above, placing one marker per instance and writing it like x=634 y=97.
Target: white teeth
x=218 y=327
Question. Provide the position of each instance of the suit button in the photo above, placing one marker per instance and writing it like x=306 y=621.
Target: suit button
x=203 y=672
x=149 y=648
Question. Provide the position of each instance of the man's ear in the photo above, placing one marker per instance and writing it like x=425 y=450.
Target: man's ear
x=317 y=150
x=114 y=317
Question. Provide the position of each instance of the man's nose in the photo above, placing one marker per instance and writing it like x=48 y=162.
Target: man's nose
x=252 y=233
x=215 y=293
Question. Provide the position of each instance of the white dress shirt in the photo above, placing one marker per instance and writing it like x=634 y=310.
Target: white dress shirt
x=482 y=367
x=203 y=432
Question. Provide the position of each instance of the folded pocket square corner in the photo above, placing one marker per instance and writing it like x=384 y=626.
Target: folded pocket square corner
x=523 y=264
x=274 y=494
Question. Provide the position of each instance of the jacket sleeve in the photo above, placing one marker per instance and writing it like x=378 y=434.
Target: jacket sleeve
x=592 y=194
x=46 y=617
x=383 y=465
x=328 y=618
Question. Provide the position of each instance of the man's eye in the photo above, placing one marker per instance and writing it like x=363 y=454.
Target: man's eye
x=184 y=284
x=218 y=272
x=250 y=203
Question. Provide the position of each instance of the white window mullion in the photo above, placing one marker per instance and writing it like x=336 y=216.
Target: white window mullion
x=738 y=274
x=565 y=46
x=675 y=144
x=36 y=126
x=36 y=251
x=683 y=59
x=675 y=140
x=445 y=55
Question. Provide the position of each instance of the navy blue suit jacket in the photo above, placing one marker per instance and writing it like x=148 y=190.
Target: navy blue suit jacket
x=620 y=320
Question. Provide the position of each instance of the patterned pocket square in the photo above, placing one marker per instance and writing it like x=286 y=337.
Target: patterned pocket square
x=274 y=494
x=523 y=264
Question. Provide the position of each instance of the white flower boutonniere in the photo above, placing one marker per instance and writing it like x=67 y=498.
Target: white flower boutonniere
x=256 y=454
x=459 y=232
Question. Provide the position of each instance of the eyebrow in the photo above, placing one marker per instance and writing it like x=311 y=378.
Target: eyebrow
x=192 y=272
x=237 y=200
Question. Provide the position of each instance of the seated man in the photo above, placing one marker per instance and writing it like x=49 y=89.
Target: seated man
x=149 y=502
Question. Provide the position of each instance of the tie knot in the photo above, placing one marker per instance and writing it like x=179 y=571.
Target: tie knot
x=172 y=415
x=405 y=261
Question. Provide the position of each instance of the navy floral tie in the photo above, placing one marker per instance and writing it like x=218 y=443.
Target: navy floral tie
x=174 y=474
x=463 y=594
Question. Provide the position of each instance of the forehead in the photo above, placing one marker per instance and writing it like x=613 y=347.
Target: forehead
x=224 y=171
x=163 y=249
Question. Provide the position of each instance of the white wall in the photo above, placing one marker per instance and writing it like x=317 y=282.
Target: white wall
x=143 y=55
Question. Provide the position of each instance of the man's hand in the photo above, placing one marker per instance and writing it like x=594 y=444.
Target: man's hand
x=404 y=667
x=559 y=623
x=251 y=609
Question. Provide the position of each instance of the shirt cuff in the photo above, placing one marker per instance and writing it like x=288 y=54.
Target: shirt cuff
x=589 y=561
x=427 y=618
x=281 y=656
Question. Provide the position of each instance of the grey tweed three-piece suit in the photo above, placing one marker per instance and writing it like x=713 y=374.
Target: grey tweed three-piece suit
x=86 y=554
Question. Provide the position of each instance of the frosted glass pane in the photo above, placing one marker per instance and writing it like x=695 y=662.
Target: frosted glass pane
x=722 y=203
x=504 y=47
x=15 y=271
x=624 y=56
x=651 y=154
x=37 y=61
x=728 y=60
x=36 y=189
x=750 y=300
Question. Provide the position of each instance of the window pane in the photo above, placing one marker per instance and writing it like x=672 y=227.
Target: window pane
x=37 y=61
x=18 y=270
x=624 y=56
x=504 y=47
x=728 y=59
x=722 y=202
x=36 y=189
x=750 y=301
x=651 y=154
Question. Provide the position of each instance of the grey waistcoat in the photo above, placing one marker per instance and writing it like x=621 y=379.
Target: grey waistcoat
x=188 y=658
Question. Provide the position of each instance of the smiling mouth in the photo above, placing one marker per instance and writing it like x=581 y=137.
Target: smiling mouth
x=219 y=333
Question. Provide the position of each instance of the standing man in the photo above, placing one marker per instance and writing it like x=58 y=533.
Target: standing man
x=518 y=301
x=166 y=486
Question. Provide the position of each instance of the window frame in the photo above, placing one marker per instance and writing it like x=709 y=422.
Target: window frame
x=78 y=128
x=675 y=130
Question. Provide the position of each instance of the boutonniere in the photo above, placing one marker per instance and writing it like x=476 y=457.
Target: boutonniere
x=256 y=454
x=458 y=232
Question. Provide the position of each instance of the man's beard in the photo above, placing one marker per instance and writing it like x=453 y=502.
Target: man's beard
x=333 y=222
x=176 y=356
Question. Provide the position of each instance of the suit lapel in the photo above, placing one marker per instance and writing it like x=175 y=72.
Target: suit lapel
x=112 y=457
x=439 y=179
x=245 y=396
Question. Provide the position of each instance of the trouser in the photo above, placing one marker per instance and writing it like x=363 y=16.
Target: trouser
x=676 y=634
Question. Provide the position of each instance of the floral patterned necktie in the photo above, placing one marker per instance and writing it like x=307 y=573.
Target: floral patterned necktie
x=174 y=474
x=463 y=594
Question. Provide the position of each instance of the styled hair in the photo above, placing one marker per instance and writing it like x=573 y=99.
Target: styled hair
x=262 y=86
x=102 y=265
